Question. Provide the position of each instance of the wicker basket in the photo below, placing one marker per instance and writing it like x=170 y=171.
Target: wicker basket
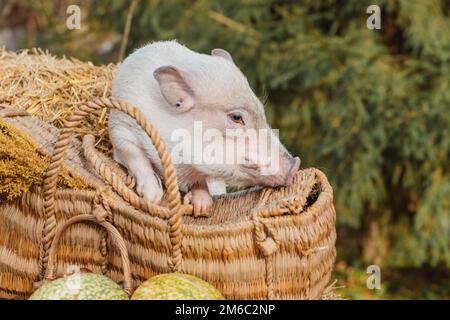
x=261 y=243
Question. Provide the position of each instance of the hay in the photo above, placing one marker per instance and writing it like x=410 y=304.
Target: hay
x=51 y=88
x=21 y=164
x=330 y=292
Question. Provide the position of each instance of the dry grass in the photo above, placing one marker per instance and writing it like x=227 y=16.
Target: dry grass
x=22 y=165
x=51 y=88
x=331 y=292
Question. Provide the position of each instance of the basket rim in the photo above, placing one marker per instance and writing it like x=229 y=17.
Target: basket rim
x=244 y=221
x=148 y=218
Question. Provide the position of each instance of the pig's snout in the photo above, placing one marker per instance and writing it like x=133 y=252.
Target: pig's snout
x=294 y=166
x=284 y=175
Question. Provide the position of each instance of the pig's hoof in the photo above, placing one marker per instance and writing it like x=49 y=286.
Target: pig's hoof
x=201 y=201
x=151 y=190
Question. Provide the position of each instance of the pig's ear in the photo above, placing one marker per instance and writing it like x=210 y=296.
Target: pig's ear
x=222 y=53
x=175 y=87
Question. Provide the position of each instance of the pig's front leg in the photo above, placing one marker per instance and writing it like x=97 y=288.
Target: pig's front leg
x=200 y=198
x=216 y=187
x=148 y=184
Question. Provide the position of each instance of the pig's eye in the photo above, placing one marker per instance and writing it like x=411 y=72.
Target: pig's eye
x=237 y=117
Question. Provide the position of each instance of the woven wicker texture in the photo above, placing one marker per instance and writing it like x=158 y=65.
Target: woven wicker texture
x=255 y=244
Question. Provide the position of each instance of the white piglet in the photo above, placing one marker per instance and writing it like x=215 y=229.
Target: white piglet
x=183 y=93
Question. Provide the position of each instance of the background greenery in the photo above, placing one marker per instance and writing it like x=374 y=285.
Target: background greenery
x=371 y=108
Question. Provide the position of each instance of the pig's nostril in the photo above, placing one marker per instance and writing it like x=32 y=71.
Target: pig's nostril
x=292 y=171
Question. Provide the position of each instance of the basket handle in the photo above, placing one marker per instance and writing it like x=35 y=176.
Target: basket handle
x=57 y=160
x=89 y=149
x=115 y=236
x=120 y=181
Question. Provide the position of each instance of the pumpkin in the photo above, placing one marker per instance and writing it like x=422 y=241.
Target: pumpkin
x=176 y=286
x=80 y=286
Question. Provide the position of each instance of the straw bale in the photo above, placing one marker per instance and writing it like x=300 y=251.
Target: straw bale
x=52 y=88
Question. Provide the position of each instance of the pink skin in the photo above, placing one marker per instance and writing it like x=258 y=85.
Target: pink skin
x=148 y=184
x=179 y=94
x=173 y=87
x=200 y=198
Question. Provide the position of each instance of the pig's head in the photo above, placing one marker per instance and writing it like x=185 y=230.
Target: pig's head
x=218 y=96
